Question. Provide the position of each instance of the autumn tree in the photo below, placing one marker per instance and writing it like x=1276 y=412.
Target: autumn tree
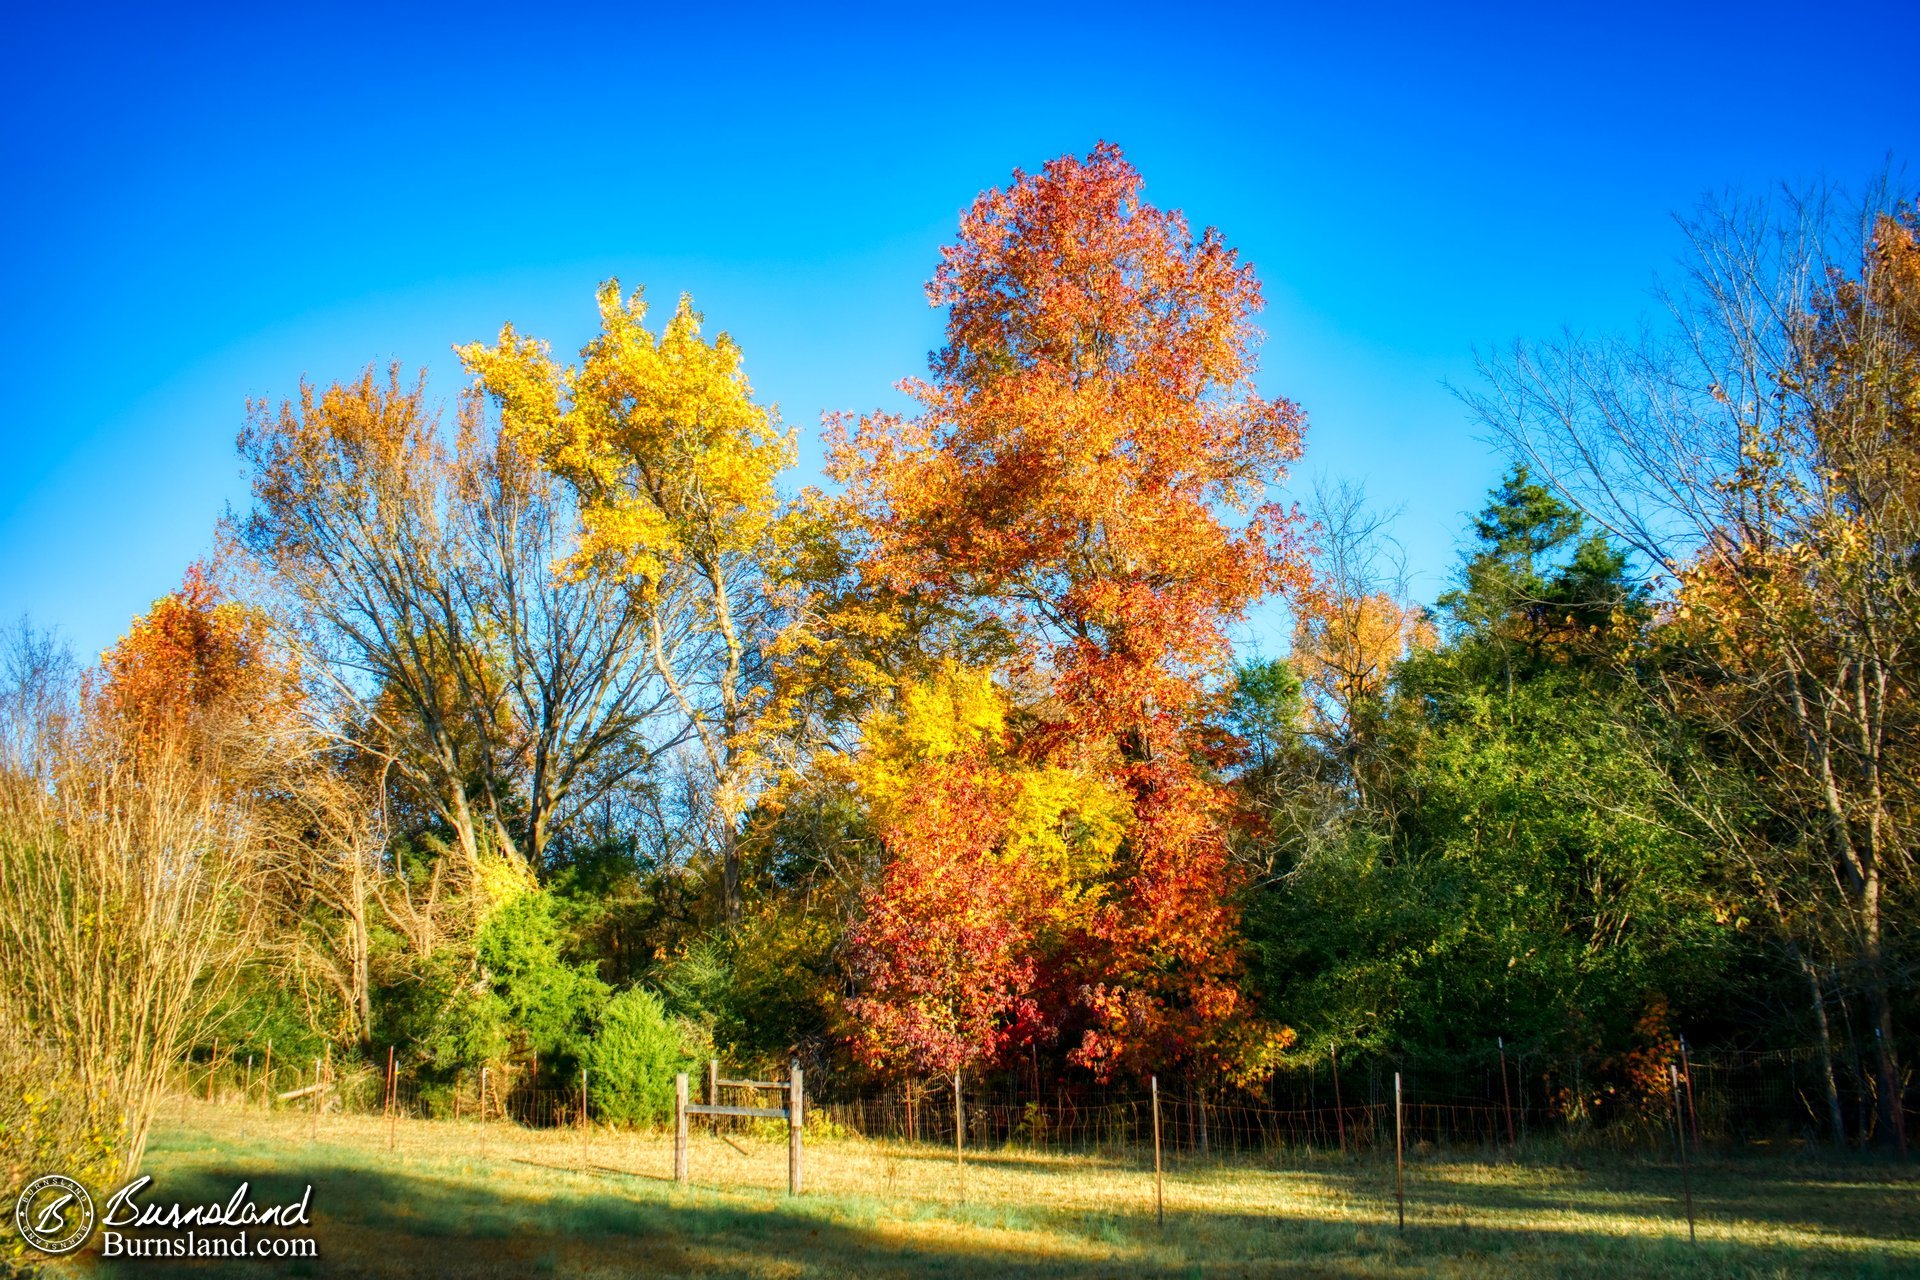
x=1759 y=455
x=202 y=671
x=942 y=951
x=673 y=466
x=204 y=676
x=423 y=580
x=1351 y=634
x=996 y=865
x=1089 y=466
x=147 y=807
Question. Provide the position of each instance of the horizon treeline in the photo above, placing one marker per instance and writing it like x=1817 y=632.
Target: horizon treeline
x=562 y=733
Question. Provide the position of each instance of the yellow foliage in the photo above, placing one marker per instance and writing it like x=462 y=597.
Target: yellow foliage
x=673 y=459
x=1349 y=647
x=1063 y=822
x=500 y=880
x=955 y=711
x=1068 y=826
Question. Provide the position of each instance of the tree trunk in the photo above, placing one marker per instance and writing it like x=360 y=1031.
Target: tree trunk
x=1831 y=1087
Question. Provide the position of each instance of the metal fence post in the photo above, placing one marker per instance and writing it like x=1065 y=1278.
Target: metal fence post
x=1506 y=1098
x=1399 y=1152
x=1680 y=1136
x=959 y=1129
x=1159 y=1202
x=392 y=1098
x=1339 y=1114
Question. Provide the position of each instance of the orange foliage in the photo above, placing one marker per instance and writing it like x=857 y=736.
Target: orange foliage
x=1349 y=648
x=1090 y=466
x=193 y=660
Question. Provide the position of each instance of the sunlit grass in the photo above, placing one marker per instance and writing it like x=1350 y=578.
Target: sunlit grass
x=454 y=1199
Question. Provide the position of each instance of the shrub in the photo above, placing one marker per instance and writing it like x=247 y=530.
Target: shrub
x=549 y=999
x=635 y=1053
x=49 y=1123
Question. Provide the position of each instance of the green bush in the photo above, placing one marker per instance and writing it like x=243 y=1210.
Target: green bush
x=549 y=999
x=635 y=1053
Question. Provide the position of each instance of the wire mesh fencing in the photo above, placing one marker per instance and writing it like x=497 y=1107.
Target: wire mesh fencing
x=1724 y=1098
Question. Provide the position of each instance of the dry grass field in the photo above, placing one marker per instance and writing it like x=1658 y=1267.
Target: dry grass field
x=454 y=1200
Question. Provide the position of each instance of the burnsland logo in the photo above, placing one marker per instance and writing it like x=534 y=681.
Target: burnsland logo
x=55 y=1215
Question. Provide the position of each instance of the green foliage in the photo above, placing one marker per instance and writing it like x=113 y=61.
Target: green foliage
x=267 y=1005
x=436 y=1005
x=634 y=1054
x=698 y=983
x=1517 y=875
x=763 y=989
x=611 y=906
x=1266 y=707
x=549 y=1001
x=1529 y=886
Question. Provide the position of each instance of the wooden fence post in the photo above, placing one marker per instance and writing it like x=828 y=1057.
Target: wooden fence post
x=266 y=1077
x=1399 y=1153
x=796 y=1120
x=586 y=1133
x=1159 y=1203
x=680 y=1128
x=393 y=1086
x=483 y=1104
x=314 y=1135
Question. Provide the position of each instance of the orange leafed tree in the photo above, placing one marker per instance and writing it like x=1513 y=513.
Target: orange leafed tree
x=1090 y=465
x=197 y=663
x=1348 y=647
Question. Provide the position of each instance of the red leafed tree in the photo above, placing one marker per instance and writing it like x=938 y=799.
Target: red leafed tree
x=941 y=953
x=1090 y=464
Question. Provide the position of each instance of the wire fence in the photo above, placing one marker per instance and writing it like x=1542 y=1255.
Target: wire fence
x=1723 y=1098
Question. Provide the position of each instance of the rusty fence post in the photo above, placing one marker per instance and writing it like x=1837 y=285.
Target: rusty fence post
x=1399 y=1152
x=1159 y=1201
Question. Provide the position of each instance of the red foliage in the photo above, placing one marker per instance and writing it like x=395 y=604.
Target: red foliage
x=1090 y=465
x=941 y=951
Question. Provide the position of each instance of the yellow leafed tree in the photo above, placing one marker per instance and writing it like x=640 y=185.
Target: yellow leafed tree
x=675 y=467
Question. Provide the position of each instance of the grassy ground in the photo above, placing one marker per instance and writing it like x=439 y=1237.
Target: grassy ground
x=452 y=1200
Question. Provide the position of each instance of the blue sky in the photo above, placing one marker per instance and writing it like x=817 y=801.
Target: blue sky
x=204 y=205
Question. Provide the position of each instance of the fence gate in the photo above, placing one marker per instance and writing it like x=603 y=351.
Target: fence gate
x=793 y=1112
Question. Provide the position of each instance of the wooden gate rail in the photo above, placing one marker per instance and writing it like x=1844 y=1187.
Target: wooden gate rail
x=793 y=1113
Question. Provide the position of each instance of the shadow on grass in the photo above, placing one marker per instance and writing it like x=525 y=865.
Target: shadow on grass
x=460 y=1221
x=1857 y=1202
